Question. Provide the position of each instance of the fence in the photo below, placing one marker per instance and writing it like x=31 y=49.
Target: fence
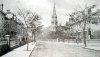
x=93 y=42
x=3 y=46
x=63 y=40
x=14 y=43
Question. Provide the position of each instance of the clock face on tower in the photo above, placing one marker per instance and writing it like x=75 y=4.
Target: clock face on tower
x=9 y=16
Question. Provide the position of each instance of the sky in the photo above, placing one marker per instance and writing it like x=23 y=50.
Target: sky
x=45 y=8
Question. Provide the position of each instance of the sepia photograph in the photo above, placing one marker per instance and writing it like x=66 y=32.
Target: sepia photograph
x=49 y=28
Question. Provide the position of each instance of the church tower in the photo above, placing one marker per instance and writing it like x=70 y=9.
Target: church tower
x=54 y=22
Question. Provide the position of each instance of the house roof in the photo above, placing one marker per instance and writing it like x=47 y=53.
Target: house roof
x=2 y=12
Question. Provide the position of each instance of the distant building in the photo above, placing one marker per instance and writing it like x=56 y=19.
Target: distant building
x=77 y=29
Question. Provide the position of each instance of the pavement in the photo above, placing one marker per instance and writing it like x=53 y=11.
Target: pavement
x=21 y=51
x=51 y=49
x=93 y=46
x=55 y=49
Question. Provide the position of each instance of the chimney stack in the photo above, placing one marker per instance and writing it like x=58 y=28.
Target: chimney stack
x=2 y=6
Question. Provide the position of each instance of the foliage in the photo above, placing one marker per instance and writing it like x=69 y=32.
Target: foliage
x=31 y=22
x=84 y=17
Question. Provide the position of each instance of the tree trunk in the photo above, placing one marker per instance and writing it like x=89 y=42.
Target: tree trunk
x=27 y=39
x=27 y=45
x=90 y=33
x=84 y=35
x=34 y=37
x=90 y=29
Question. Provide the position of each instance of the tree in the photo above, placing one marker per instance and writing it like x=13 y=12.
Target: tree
x=89 y=16
x=75 y=18
x=29 y=19
x=35 y=25
x=86 y=17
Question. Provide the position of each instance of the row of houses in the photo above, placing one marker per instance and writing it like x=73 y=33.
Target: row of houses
x=11 y=25
x=12 y=31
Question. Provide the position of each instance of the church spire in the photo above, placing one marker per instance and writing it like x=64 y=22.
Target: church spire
x=54 y=21
x=54 y=10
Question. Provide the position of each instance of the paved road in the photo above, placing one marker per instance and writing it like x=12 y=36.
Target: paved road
x=44 y=49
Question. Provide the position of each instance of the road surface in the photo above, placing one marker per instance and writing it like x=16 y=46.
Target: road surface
x=49 y=49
